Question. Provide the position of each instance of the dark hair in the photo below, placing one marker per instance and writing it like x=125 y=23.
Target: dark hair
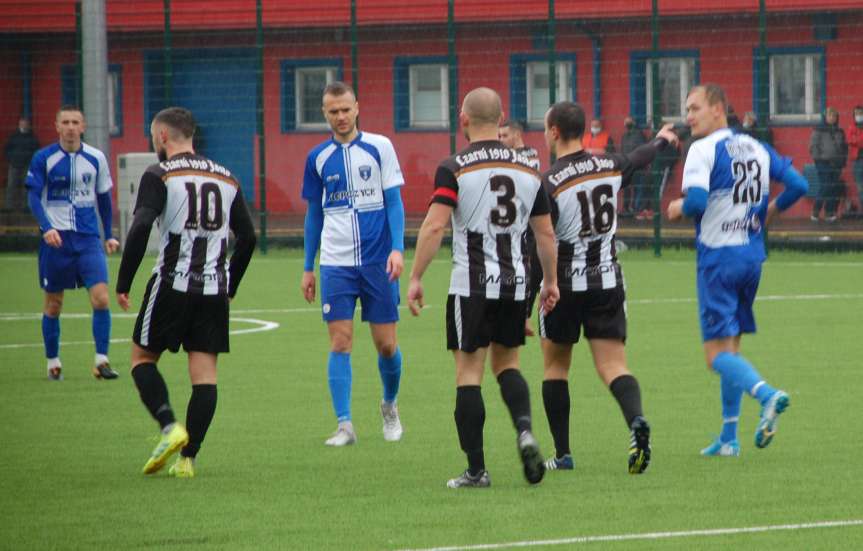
x=513 y=124
x=69 y=107
x=858 y=107
x=339 y=88
x=179 y=119
x=714 y=94
x=568 y=117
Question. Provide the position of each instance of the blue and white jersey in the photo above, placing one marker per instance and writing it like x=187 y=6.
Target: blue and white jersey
x=349 y=180
x=735 y=170
x=68 y=184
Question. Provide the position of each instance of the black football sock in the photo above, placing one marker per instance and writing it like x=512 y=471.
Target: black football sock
x=154 y=392
x=469 y=420
x=628 y=395
x=202 y=406
x=555 y=397
x=516 y=395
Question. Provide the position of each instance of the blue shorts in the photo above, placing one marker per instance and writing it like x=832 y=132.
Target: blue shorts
x=342 y=285
x=79 y=262
x=725 y=296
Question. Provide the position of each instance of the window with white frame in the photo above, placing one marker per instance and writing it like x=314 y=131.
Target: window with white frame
x=796 y=87
x=538 y=87
x=676 y=78
x=429 y=99
x=114 y=122
x=309 y=83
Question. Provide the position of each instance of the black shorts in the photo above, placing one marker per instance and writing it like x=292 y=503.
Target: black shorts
x=601 y=312
x=169 y=318
x=475 y=322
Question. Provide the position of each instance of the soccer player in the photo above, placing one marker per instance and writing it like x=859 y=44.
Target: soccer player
x=355 y=215
x=583 y=188
x=67 y=183
x=196 y=201
x=726 y=182
x=492 y=193
x=511 y=135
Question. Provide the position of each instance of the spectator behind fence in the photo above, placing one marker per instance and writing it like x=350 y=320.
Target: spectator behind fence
x=634 y=197
x=597 y=141
x=20 y=147
x=855 y=141
x=829 y=150
x=751 y=127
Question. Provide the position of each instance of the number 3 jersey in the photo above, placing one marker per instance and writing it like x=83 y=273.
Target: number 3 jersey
x=494 y=190
x=735 y=171
x=199 y=201
x=583 y=189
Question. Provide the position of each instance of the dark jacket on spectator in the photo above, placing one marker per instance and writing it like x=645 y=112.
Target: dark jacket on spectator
x=828 y=145
x=20 y=148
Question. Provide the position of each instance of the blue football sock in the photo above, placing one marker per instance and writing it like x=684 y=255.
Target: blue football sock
x=102 y=330
x=732 y=397
x=51 y=336
x=741 y=373
x=391 y=374
x=339 y=372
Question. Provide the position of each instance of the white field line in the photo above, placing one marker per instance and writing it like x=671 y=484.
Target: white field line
x=652 y=535
x=261 y=325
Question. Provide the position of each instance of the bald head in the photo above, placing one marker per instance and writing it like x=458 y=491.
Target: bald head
x=482 y=107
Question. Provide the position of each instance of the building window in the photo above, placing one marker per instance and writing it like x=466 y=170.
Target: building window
x=676 y=78
x=429 y=105
x=421 y=93
x=113 y=89
x=529 y=85
x=678 y=73
x=796 y=87
x=303 y=83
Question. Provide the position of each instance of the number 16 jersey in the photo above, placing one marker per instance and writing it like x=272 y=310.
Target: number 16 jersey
x=494 y=191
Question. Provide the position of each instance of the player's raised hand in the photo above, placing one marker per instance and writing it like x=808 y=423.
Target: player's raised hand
x=111 y=245
x=669 y=135
x=675 y=210
x=395 y=265
x=415 y=296
x=52 y=238
x=548 y=297
x=307 y=286
x=123 y=300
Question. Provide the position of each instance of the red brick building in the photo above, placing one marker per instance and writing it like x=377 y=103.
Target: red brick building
x=603 y=50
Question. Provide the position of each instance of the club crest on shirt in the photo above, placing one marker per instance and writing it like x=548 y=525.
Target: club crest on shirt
x=365 y=172
x=87 y=177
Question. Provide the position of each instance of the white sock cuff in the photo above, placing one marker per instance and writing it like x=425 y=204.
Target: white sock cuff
x=54 y=362
x=101 y=359
x=755 y=387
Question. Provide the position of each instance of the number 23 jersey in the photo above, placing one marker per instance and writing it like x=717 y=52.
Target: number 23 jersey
x=196 y=198
x=735 y=171
x=494 y=190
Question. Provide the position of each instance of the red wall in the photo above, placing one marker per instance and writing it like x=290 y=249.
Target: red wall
x=725 y=47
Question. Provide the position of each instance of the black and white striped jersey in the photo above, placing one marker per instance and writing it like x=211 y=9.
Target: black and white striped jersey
x=494 y=191
x=195 y=198
x=583 y=193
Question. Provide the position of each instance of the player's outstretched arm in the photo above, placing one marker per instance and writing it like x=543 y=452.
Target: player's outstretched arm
x=428 y=243
x=644 y=154
x=796 y=187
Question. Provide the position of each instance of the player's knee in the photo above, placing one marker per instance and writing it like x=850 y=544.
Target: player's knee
x=53 y=306
x=387 y=349
x=341 y=343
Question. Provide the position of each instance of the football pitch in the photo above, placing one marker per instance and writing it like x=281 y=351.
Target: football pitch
x=71 y=452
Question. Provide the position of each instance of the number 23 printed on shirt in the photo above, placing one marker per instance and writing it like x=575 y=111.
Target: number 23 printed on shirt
x=747 y=182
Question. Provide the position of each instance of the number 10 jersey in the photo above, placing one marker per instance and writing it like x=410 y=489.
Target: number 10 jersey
x=494 y=191
x=195 y=197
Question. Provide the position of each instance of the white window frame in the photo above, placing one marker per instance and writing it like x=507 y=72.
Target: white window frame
x=564 y=70
x=331 y=76
x=811 y=103
x=686 y=82
x=113 y=89
x=444 y=94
